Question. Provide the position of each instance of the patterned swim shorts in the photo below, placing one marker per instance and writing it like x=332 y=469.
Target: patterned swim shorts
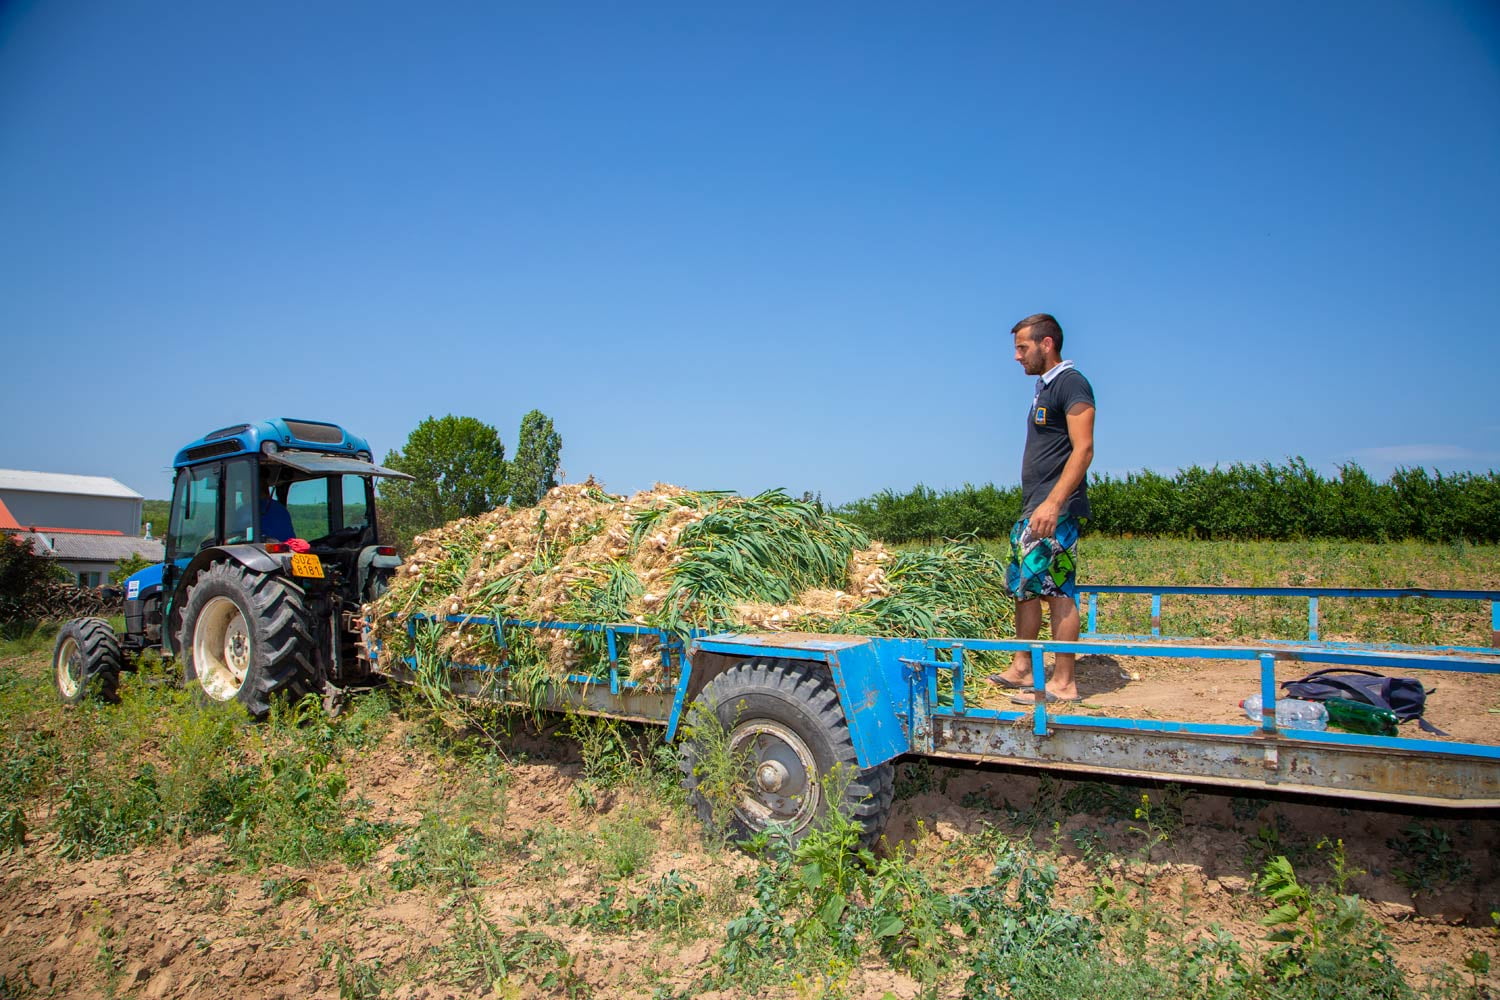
x=1043 y=567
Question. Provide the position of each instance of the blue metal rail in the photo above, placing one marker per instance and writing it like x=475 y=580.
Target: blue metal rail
x=671 y=645
x=1267 y=659
x=1313 y=594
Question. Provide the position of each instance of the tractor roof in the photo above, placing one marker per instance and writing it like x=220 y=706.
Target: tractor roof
x=279 y=432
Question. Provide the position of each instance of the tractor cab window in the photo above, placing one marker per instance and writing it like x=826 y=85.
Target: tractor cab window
x=331 y=509
x=356 y=501
x=239 y=501
x=307 y=501
x=195 y=512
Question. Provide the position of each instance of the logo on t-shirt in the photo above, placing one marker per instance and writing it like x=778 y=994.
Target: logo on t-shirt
x=1041 y=414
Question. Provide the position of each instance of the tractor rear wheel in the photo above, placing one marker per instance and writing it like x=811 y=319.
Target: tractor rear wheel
x=246 y=636
x=785 y=733
x=86 y=660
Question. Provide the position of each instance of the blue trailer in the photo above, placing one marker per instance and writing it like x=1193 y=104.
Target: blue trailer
x=796 y=706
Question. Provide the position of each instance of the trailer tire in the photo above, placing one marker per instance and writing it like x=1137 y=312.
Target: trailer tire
x=787 y=715
x=246 y=636
x=86 y=661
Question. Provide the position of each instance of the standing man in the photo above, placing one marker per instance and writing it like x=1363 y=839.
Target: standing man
x=1054 y=502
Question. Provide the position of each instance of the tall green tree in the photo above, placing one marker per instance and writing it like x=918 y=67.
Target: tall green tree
x=458 y=465
x=538 y=453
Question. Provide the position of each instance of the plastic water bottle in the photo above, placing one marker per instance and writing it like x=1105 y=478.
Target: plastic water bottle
x=1291 y=713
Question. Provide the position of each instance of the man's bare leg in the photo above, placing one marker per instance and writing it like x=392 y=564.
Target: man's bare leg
x=1064 y=614
x=1028 y=626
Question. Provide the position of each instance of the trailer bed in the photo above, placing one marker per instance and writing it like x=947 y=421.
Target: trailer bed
x=918 y=697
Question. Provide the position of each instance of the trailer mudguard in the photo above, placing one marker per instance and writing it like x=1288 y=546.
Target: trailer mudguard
x=871 y=680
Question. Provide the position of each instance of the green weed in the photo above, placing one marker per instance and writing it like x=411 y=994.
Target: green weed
x=821 y=904
x=356 y=980
x=1322 y=936
x=25 y=639
x=719 y=772
x=626 y=843
x=453 y=839
x=670 y=903
x=1158 y=821
x=618 y=754
x=1017 y=929
x=918 y=777
x=1428 y=859
x=479 y=955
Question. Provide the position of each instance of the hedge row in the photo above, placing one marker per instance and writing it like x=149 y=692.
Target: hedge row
x=1265 y=501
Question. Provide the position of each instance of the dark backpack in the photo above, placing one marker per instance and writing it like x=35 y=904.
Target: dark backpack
x=1404 y=696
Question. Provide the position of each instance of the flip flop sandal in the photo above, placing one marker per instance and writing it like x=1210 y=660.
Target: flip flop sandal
x=1021 y=699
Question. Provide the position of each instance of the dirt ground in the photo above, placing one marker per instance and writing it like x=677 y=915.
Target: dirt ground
x=183 y=921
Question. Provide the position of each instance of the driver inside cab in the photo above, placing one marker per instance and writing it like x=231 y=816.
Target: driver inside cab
x=275 y=520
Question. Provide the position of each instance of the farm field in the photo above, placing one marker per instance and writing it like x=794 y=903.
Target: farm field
x=157 y=848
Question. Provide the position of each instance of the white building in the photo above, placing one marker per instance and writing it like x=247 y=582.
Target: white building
x=87 y=523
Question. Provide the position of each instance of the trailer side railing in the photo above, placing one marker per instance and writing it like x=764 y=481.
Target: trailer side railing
x=1313 y=595
x=1399 y=768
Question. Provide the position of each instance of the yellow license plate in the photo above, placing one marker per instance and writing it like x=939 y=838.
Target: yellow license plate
x=304 y=564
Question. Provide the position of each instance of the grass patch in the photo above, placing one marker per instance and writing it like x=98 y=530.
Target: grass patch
x=458 y=834
x=161 y=766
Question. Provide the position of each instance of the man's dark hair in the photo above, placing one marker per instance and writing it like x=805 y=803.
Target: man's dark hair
x=1041 y=325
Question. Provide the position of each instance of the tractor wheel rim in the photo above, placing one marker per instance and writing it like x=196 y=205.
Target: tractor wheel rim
x=221 y=649
x=69 y=666
x=783 y=786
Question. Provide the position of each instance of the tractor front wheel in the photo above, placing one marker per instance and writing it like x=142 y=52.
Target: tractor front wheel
x=246 y=636
x=86 y=660
x=778 y=725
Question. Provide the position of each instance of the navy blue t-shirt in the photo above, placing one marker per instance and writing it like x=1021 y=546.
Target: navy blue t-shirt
x=275 y=520
x=1048 y=447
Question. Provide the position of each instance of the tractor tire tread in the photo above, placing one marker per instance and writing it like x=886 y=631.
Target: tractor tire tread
x=99 y=649
x=282 y=637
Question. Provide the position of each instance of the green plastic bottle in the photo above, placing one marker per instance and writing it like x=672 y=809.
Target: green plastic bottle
x=1358 y=717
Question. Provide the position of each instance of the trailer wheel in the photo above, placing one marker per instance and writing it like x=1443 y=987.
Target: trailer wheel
x=245 y=636
x=784 y=727
x=86 y=660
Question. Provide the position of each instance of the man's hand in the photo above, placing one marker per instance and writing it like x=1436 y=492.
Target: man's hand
x=1044 y=519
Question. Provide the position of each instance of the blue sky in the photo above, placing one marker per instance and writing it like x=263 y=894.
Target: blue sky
x=756 y=245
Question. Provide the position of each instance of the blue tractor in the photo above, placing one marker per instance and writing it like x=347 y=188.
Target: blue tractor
x=271 y=550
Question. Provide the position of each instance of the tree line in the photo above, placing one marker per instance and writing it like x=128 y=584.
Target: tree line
x=458 y=469
x=1242 y=501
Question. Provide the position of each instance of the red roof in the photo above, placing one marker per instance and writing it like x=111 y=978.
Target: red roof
x=8 y=523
